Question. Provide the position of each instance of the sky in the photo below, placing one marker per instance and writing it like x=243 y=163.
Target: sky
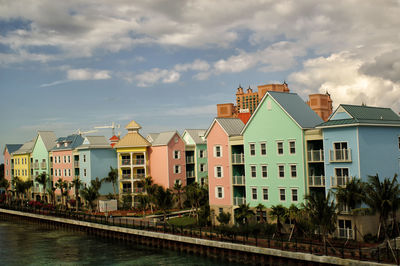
x=69 y=65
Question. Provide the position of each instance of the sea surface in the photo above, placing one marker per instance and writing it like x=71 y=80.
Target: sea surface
x=30 y=244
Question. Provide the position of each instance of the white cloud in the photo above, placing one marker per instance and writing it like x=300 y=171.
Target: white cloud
x=197 y=65
x=155 y=75
x=87 y=74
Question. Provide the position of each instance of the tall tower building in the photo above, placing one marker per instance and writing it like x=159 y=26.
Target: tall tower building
x=321 y=104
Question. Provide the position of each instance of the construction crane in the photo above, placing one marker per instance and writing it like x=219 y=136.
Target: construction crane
x=113 y=126
x=85 y=132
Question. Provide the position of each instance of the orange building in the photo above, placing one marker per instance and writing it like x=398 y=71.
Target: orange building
x=321 y=104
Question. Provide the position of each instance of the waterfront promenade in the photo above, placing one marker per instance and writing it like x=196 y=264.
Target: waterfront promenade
x=205 y=243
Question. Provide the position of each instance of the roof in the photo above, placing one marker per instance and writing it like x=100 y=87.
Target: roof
x=73 y=141
x=12 y=147
x=364 y=115
x=132 y=139
x=25 y=148
x=196 y=135
x=163 y=138
x=95 y=142
x=232 y=126
x=114 y=138
x=152 y=136
x=48 y=138
x=133 y=125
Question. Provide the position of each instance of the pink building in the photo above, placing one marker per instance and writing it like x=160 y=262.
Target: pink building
x=167 y=158
x=8 y=161
x=222 y=137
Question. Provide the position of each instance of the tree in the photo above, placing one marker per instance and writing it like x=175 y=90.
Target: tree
x=42 y=179
x=51 y=191
x=76 y=183
x=143 y=201
x=278 y=212
x=22 y=187
x=224 y=218
x=350 y=196
x=178 y=194
x=112 y=178
x=163 y=199
x=243 y=214
x=91 y=193
x=293 y=214
x=197 y=196
x=60 y=184
x=150 y=189
x=322 y=212
x=260 y=207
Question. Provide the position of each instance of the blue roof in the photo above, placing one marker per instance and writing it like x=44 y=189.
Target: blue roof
x=13 y=147
x=297 y=109
x=73 y=141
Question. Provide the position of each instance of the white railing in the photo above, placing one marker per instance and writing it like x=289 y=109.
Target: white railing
x=190 y=174
x=239 y=201
x=344 y=209
x=36 y=165
x=126 y=162
x=138 y=161
x=340 y=181
x=139 y=176
x=341 y=155
x=315 y=155
x=76 y=164
x=126 y=176
x=316 y=181
x=346 y=233
x=43 y=165
x=238 y=158
x=238 y=180
x=190 y=159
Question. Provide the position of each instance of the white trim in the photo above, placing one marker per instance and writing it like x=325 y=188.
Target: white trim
x=252 y=195
x=255 y=152
x=279 y=171
x=289 y=141
x=297 y=194
x=262 y=190
x=216 y=171
x=251 y=171
x=215 y=151
x=277 y=148
x=265 y=143
x=290 y=169
x=222 y=192
x=280 y=198
x=262 y=175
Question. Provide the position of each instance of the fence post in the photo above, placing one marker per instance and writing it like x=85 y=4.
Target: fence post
x=164 y=227
x=379 y=256
x=200 y=232
x=296 y=243
x=255 y=235
x=359 y=252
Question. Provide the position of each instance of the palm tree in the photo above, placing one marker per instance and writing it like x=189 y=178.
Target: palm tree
x=322 y=212
x=243 y=214
x=51 y=191
x=179 y=190
x=197 y=197
x=42 y=179
x=293 y=214
x=150 y=189
x=224 y=218
x=22 y=187
x=260 y=207
x=144 y=201
x=76 y=183
x=278 y=212
x=350 y=196
x=163 y=199
x=112 y=178
x=91 y=193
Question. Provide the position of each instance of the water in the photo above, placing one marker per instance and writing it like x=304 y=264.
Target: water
x=30 y=244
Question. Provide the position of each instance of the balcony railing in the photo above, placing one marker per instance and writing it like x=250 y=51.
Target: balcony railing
x=342 y=155
x=35 y=166
x=138 y=190
x=126 y=176
x=315 y=155
x=340 y=181
x=190 y=174
x=76 y=164
x=345 y=233
x=316 y=181
x=139 y=176
x=238 y=158
x=138 y=161
x=239 y=201
x=190 y=159
x=344 y=209
x=51 y=164
x=238 y=180
x=125 y=162
x=43 y=165
x=127 y=190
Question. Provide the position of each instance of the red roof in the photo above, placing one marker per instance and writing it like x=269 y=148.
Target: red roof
x=114 y=138
x=244 y=117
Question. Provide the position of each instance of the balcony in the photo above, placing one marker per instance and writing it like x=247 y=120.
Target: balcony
x=127 y=190
x=51 y=164
x=76 y=164
x=340 y=181
x=190 y=159
x=238 y=158
x=239 y=201
x=344 y=209
x=126 y=176
x=125 y=162
x=43 y=165
x=190 y=174
x=238 y=180
x=138 y=190
x=35 y=166
x=316 y=181
x=346 y=233
x=343 y=155
x=315 y=156
x=139 y=176
x=138 y=161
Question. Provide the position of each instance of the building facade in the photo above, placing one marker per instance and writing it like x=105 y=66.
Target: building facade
x=9 y=161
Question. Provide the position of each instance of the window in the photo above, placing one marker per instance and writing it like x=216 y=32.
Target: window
x=263 y=148
x=65 y=144
x=252 y=147
x=294 y=195
x=217 y=151
x=281 y=171
x=253 y=171
x=65 y=172
x=69 y=172
x=202 y=154
x=293 y=171
x=218 y=171
x=292 y=147
x=69 y=159
x=282 y=194
x=264 y=171
x=84 y=172
x=254 y=193
x=265 y=193
x=177 y=154
x=84 y=158
x=219 y=193
x=177 y=169
x=280 y=147
x=65 y=158
x=203 y=167
x=202 y=181
x=345 y=228
x=178 y=181
x=399 y=142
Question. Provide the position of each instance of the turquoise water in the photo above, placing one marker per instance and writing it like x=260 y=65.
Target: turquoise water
x=28 y=244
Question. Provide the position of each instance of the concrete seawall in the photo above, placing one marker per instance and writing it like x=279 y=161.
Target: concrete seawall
x=230 y=251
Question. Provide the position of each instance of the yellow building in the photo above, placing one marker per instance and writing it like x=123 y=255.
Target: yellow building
x=22 y=161
x=132 y=161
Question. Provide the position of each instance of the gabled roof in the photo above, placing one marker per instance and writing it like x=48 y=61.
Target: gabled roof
x=132 y=139
x=163 y=138
x=152 y=137
x=73 y=141
x=231 y=126
x=294 y=107
x=12 y=147
x=133 y=125
x=364 y=115
x=48 y=138
x=197 y=135
x=25 y=148
x=95 y=142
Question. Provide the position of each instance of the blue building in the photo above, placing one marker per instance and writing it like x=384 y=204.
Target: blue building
x=96 y=156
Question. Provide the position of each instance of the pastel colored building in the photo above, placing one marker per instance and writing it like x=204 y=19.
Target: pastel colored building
x=9 y=161
x=133 y=162
x=167 y=158
x=196 y=156
x=22 y=161
x=65 y=160
x=360 y=141
x=44 y=142
x=225 y=165
x=274 y=149
x=96 y=156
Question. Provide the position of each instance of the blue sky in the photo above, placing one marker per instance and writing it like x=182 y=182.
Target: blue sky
x=166 y=64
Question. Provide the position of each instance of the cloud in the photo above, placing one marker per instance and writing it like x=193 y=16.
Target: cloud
x=386 y=66
x=155 y=75
x=197 y=65
x=87 y=74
